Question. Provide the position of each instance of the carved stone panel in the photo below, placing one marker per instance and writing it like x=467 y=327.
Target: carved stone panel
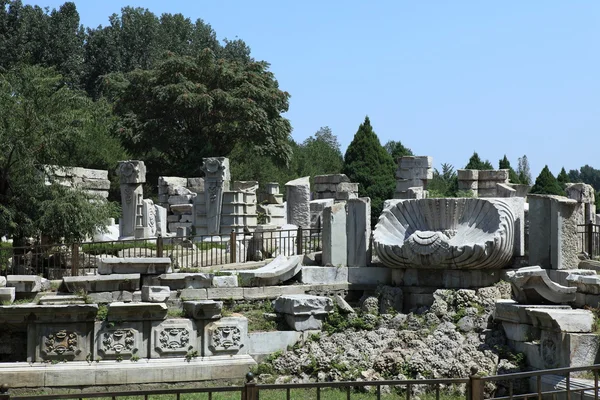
x=62 y=342
x=226 y=336
x=119 y=341
x=132 y=172
x=173 y=338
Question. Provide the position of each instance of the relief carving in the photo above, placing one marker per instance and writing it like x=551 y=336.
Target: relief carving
x=226 y=338
x=118 y=341
x=174 y=339
x=61 y=343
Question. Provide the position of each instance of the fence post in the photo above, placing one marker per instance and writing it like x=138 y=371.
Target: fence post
x=590 y=239
x=250 y=389
x=74 y=259
x=299 y=249
x=232 y=246
x=4 y=395
x=475 y=385
x=159 y=246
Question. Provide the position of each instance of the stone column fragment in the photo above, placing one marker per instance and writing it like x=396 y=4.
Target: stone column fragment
x=298 y=202
x=132 y=175
x=334 y=235
x=358 y=231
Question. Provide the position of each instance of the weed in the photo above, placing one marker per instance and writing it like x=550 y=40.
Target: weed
x=102 y=313
x=134 y=358
x=174 y=313
x=191 y=354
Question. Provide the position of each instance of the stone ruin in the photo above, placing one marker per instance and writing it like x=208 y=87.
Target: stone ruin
x=441 y=261
x=92 y=181
x=489 y=183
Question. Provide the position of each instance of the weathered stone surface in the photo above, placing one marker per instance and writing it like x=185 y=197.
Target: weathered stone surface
x=324 y=275
x=303 y=304
x=20 y=313
x=467 y=233
x=7 y=294
x=101 y=297
x=2 y=281
x=266 y=343
x=203 y=309
x=301 y=323
x=298 y=202
x=61 y=299
x=27 y=283
x=61 y=342
x=119 y=341
x=316 y=212
x=585 y=284
x=185 y=280
x=142 y=265
x=136 y=311
x=182 y=208
x=155 y=294
x=193 y=294
x=370 y=275
x=101 y=283
x=577 y=321
x=511 y=311
x=335 y=244
x=173 y=338
x=277 y=271
x=342 y=304
x=448 y=279
x=227 y=336
x=520 y=332
x=531 y=285
x=358 y=232
x=553 y=229
x=225 y=281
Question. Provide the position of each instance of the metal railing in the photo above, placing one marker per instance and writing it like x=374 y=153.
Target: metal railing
x=58 y=260
x=514 y=386
x=590 y=239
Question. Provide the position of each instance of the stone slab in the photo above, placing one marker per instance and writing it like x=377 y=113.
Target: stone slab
x=203 y=309
x=136 y=311
x=155 y=294
x=2 y=281
x=298 y=202
x=227 y=336
x=173 y=338
x=303 y=304
x=225 y=281
x=142 y=265
x=7 y=294
x=324 y=275
x=185 y=280
x=61 y=299
x=34 y=313
x=577 y=321
x=119 y=341
x=301 y=323
x=520 y=332
x=193 y=294
x=104 y=373
x=101 y=283
x=511 y=311
x=370 y=275
x=61 y=342
x=531 y=285
x=27 y=283
x=335 y=246
x=279 y=270
x=269 y=342
x=358 y=232
x=225 y=293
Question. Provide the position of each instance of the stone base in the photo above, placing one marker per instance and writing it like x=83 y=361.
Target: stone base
x=21 y=375
x=446 y=279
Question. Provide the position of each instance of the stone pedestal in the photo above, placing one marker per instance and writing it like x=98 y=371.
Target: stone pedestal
x=132 y=174
x=298 y=202
x=303 y=312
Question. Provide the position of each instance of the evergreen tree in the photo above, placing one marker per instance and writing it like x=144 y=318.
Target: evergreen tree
x=397 y=149
x=523 y=171
x=546 y=183
x=476 y=163
x=512 y=175
x=369 y=164
x=563 y=178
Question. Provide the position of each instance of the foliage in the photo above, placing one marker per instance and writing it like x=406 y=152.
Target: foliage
x=512 y=174
x=546 y=183
x=255 y=314
x=337 y=322
x=367 y=163
x=586 y=174
x=44 y=122
x=396 y=149
x=102 y=312
x=476 y=163
x=187 y=108
x=523 y=171
x=563 y=178
x=445 y=183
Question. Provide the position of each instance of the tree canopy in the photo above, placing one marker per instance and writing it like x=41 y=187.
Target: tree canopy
x=476 y=163
x=546 y=183
x=192 y=107
x=523 y=171
x=369 y=164
x=44 y=122
x=512 y=175
x=396 y=149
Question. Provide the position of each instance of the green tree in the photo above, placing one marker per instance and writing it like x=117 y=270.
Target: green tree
x=546 y=183
x=369 y=164
x=512 y=175
x=563 y=178
x=523 y=170
x=396 y=149
x=476 y=163
x=188 y=108
x=319 y=154
x=445 y=183
x=44 y=122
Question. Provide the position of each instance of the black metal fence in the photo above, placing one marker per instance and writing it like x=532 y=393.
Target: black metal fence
x=562 y=383
x=187 y=253
x=590 y=239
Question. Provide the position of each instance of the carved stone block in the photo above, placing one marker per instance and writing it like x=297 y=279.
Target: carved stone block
x=62 y=342
x=119 y=341
x=173 y=338
x=226 y=336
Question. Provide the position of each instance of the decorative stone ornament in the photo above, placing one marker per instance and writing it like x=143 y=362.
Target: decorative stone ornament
x=228 y=335
x=173 y=338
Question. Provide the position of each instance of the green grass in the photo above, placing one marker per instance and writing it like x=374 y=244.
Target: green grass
x=254 y=312
x=295 y=394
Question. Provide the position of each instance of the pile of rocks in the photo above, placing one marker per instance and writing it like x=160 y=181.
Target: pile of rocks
x=443 y=341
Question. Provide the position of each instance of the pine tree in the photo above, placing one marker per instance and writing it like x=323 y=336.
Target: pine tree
x=476 y=163
x=512 y=175
x=546 y=183
x=366 y=162
x=563 y=178
x=523 y=171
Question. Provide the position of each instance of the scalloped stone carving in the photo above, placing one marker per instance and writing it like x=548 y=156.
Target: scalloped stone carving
x=449 y=233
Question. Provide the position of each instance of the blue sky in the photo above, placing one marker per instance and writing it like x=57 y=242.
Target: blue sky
x=446 y=78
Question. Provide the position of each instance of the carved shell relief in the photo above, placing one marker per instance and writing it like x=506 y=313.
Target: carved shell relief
x=451 y=233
